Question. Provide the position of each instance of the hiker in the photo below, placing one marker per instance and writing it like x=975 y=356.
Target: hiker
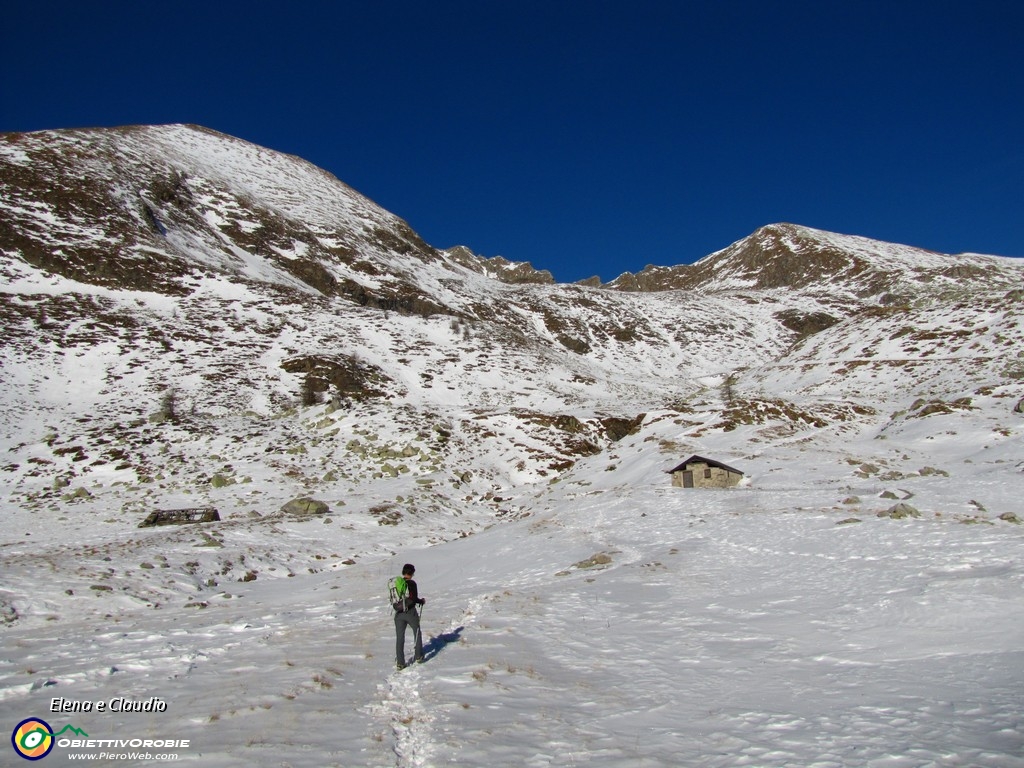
x=406 y=615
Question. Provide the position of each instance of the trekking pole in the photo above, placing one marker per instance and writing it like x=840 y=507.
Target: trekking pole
x=419 y=628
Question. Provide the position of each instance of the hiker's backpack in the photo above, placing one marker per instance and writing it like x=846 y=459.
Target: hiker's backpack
x=398 y=590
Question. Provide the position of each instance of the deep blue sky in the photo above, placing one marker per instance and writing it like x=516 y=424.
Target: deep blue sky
x=586 y=137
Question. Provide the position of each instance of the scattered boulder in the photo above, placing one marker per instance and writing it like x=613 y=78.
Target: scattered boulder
x=387 y=513
x=220 y=481
x=601 y=558
x=1010 y=517
x=849 y=521
x=208 y=541
x=305 y=507
x=76 y=495
x=594 y=561
x=900 y=511
x=8 y=613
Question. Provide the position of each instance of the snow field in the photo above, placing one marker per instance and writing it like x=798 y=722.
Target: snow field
x=762 y=640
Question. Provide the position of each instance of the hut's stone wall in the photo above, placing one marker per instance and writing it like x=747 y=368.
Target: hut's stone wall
x=701 y=475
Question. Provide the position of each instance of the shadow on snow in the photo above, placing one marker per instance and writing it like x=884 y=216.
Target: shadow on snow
x=437 y=643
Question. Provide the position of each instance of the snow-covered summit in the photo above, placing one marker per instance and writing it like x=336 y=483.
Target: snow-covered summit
x=792 y=256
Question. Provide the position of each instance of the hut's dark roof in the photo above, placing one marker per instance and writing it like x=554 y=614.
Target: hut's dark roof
x=695 y=459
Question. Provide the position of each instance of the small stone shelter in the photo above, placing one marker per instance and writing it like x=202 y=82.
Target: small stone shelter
x=181 y=517
x=698 y=472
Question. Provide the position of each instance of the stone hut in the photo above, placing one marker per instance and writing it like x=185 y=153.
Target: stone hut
x=698 y=472
x=181 y=517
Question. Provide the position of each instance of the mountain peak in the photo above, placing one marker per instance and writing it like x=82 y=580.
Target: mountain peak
x=500 y=268
x=785 y=255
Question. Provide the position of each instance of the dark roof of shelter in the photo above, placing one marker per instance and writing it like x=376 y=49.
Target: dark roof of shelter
x=695 y=459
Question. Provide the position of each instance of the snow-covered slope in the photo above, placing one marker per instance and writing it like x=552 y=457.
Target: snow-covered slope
x=190 y=320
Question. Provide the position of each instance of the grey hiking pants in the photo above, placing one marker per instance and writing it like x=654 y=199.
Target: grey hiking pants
x=409 y=619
